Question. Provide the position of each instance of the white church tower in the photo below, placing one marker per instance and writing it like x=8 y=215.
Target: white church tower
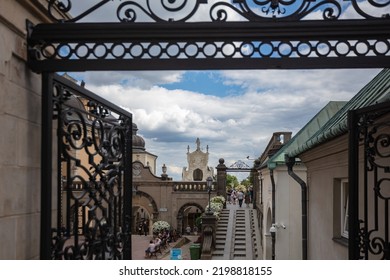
x=197 y=169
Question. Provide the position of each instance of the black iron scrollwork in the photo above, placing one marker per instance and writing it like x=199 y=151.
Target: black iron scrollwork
x=373 y=129
x=276 y=9
x=236 y=10
x=158 y=11
x=91 y=142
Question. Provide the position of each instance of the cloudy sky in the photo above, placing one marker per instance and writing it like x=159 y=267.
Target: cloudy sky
x=234 y=113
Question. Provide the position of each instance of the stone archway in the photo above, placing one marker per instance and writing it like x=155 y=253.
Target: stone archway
x=143 y=203
x=182 y=214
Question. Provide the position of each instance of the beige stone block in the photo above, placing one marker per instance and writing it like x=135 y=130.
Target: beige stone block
x=2 y=94
x=20 y=74
x=21 y=103
x=29 y=144
x=19 y=191
x=8 y=138
x=27 y=234
x=7 y=238
x=5 y=50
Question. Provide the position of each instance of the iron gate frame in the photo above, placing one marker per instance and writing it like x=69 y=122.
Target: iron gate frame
x=367 y=156
x=57 y=47
x=108 y=189
x=215 y=45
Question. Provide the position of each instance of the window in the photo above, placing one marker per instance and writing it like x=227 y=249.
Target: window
x=344 y=208
x=340 y=211
x=198 y=175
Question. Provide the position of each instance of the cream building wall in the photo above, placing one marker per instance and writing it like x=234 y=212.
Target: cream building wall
x=326 y=164
x=147 y=159
x=20 y=125
x=288 y=243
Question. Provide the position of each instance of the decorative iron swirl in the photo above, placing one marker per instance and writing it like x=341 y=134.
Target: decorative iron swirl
x=377 y=146
x=377 y=245
x=252 y=10
x=380 y=189
x=58 y=5
x=92 y=146
x=255 y=10
x=159 y=11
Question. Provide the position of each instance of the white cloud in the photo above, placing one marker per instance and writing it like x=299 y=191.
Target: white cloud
x=139 y=79
x=232 y=126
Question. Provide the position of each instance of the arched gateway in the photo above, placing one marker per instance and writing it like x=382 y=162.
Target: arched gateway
x=167 y=35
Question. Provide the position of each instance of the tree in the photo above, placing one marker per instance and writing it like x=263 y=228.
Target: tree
x=231 y=181
x=246 y=182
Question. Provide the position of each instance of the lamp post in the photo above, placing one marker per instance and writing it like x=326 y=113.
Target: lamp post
x=209 y=182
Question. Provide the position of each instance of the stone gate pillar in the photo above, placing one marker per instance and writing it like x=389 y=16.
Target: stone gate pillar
x=209 y=229
x=256 y=183
x=221 y=178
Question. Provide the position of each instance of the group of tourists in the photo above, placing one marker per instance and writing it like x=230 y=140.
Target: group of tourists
x=238 y=196
x=161 y=241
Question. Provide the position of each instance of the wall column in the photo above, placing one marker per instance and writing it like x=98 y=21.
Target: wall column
x=221 y=178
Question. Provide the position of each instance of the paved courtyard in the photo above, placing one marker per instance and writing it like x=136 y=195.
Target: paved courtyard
x=141 y=242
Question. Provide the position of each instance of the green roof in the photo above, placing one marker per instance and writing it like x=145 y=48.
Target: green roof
x=332 y=121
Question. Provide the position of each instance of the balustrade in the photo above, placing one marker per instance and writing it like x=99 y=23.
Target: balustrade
x=191 y=187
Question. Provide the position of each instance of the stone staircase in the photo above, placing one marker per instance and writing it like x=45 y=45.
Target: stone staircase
x=237 y=235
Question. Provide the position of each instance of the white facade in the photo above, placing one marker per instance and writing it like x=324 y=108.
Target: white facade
x=288 y=213
x=198 y=169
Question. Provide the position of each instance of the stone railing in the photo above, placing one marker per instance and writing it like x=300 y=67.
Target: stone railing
x=191 y=187
x=209 y=227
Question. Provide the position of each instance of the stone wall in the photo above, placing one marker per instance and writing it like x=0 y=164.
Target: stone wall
x=20 y=126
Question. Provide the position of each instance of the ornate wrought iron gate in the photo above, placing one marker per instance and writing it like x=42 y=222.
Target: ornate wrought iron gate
x=369 y=183
x=168 y=35
x=93 y=178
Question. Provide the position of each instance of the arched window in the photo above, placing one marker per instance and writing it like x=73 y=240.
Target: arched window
x=198 y=175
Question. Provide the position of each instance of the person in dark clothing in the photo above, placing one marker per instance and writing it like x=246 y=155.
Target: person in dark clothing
x=146 y=228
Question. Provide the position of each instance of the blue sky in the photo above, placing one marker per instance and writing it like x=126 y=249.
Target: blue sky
x=232 y=112
x=196 y=81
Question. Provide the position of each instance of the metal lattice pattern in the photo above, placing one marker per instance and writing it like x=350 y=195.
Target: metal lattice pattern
x=372 y=240
x=91 y=142
x=198 y=46
x=201 y=34
x=228 y=49
x=204 y=10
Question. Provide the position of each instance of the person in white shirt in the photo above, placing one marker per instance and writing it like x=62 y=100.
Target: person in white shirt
x=240 y=197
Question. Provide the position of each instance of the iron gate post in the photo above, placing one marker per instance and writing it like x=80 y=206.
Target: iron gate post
x=46 y=165
x=128 y=192
x=353 y=223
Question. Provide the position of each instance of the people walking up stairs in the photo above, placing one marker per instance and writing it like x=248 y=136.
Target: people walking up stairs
x=237 y=234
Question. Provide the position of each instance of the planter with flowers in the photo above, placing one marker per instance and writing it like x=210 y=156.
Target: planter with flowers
x=160 y=226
